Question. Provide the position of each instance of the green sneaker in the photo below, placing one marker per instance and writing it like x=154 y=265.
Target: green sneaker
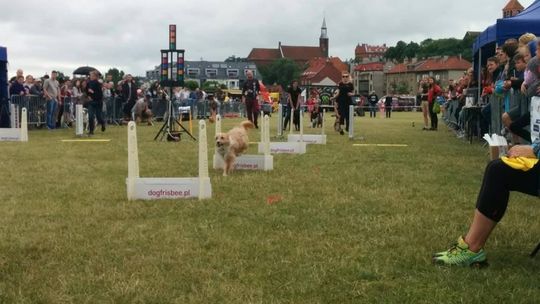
x=460 y=255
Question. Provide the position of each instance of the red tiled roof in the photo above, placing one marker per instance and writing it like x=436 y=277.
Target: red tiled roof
x=433 y=64
x=398 y=68
x=366 y=49
x=452 y=63
x=303 y=53
x=264 y=54
x=321 y=68
x=513 y=5
x=372 y=66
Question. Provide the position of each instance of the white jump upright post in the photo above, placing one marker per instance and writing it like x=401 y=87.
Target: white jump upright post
x=16 y=132
x=351 y=122
x=291 y=118
x=280 y=121
x=205 y=188
x=167 y=188
x=218 y=124
x=79 y=120
x=24 y=125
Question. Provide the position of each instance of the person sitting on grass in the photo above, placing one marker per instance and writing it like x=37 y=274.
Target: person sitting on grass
x=499 y=180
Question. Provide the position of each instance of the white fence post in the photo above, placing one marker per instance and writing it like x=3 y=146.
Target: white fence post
x=351 y=122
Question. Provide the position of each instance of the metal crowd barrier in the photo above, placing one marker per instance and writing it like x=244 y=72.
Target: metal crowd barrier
x=36 y=107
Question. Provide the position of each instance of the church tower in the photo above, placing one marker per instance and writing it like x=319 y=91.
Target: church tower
x=512 y=8
x=323 y=40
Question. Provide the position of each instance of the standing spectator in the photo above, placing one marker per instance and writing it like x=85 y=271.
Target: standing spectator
x=65 y=93
x=293 y=92
x=423 y=92
x=342 y=102
x=51 y=91
x=388 y=105
x=433 y=92
x=17 y=87
x=28 y=83
x=129 y=92
x=250 y=94
x=95 y=104
x=37 y=88
x=373 y=99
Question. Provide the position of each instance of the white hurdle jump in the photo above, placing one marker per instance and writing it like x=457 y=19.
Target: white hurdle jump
x=279 y=147
x=253 y=162
x=79 y=120
x=319 y=139
x=14 y=133
x=167 y=188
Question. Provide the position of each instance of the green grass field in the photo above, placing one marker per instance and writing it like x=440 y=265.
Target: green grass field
x=354 y=224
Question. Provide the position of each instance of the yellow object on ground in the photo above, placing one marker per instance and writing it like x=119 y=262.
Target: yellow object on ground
x=520 y=163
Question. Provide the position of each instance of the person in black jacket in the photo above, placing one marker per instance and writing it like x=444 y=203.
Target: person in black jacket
x=250 y=97
x=129 y=93
x=95 y=104
x=342 y=102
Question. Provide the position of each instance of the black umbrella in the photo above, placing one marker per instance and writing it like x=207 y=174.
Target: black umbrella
x=85 y=70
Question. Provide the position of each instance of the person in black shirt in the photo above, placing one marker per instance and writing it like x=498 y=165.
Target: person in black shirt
x=250 y=93
x=293 y=93
x=95 y=105
x=388 y=105
x=129 y=93
x=343 y=100
x=373 y=99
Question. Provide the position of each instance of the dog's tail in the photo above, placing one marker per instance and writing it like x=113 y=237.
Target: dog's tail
x=246 y=124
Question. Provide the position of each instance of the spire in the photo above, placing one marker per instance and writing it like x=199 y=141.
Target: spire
x=323 y=29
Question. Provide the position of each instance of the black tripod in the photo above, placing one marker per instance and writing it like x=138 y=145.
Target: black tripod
x=167 y=129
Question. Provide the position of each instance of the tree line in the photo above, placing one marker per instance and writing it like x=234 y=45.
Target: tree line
x=431 y=47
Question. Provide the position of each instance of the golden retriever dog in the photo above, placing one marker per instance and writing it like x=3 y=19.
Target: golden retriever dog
x=232 y=144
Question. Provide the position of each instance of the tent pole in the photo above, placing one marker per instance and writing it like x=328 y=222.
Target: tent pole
x=479 y=74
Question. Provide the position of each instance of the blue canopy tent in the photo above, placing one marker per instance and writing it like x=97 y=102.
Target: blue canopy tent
x=528 y=21
x=4 y=105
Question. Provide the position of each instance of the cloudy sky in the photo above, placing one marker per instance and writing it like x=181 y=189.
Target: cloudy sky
x=62 y=34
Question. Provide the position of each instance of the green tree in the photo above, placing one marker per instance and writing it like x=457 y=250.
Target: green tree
x=402 y=88
x=210 y=86
x=116 y=74
x=191 y=84
x=411 y=50
x=233 y=58
x=282 y=71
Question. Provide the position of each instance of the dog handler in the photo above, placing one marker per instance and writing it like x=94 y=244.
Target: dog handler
x=250 y=93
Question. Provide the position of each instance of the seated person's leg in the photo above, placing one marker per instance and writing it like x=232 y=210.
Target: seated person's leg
x=499 y=180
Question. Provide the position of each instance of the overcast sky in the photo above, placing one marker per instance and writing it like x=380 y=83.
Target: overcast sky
x=62 y=35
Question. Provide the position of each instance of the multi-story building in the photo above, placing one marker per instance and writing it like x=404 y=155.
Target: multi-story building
x=408 y=75
x=369 y=77
x=369 y=53
x=231 y=74
x=300 y=54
